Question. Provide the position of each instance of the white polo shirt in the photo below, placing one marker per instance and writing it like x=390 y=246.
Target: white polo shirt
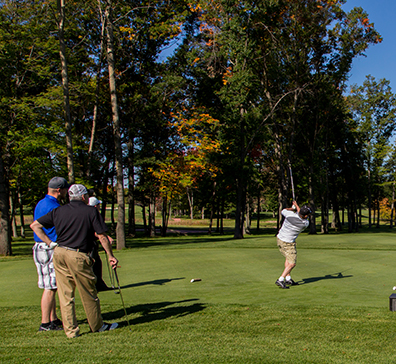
x=292 y=226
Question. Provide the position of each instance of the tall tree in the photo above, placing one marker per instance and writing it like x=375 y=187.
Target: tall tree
x=120 y=231
x=373 y=106
x=61 y=19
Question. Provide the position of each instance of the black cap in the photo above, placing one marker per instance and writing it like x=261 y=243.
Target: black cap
x=305 y=210
x=58 y=182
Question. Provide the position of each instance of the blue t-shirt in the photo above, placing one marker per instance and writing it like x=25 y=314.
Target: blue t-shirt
x=47 y=204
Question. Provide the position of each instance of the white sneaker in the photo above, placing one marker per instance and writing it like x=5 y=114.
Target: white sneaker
x=108 y=327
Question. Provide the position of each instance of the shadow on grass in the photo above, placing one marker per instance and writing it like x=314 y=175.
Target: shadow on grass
x=156 y=282
x=155 y=311
x=328 y=276
x=168 y=241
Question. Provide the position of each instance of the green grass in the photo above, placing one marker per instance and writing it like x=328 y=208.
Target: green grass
x=339 y=314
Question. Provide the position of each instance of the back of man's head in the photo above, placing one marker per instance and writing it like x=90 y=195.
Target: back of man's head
x=55 y=184
x=77 y=191
x=305 y=210
x=58 y=182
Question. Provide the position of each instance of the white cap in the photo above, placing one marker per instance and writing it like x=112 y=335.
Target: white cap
x=77 y=190
x=93 y=201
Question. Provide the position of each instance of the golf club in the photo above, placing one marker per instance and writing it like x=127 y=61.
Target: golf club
x=122 y=300
x=111 y=276
x=292 y=184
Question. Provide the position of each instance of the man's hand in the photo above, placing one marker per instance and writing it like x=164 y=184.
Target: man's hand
x=296 y=207
x=113 y=261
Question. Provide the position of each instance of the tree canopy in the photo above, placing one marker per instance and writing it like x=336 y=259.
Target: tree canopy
x=251 y=91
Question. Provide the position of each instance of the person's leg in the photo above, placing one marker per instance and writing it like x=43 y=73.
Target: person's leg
x=290 y=263
x=43 y=258
x=85 y=281
x=48 y=306
x=288 y=268
x=289 y=251
x=97 y=269
x=66 y=288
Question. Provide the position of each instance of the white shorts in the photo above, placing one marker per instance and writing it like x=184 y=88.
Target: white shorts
x=42 y=257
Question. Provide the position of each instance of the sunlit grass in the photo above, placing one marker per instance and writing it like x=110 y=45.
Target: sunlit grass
x=235 y=314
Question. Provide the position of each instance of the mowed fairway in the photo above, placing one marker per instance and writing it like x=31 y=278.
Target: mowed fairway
x=235 y=314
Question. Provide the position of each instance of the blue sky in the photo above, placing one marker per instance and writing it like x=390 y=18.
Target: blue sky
x=381 y=58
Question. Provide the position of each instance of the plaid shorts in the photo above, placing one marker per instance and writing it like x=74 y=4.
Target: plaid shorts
x=288 y=250
x=42 y=257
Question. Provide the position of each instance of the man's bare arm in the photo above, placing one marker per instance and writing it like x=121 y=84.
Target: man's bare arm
x=38 y=229
x=107 y=247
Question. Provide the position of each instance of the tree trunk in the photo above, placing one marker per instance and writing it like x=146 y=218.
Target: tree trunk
x=21 y=214
x=97 y=90
x=258 y=208
x=222 y=216
x=190 y=197
x=165 y=216
x=120 y=231
x=369 y=195
x=5 y=235
x=131 y=191
x=104 y=191
x=12 y=216
x=312 y=219
x=324 y=211
x=218 y=216
x=152 y=216
x=65 y=85
x=336 y=223
x=247 y=220
x=240 y=209
x=392 y=205
x=144 y=218
x=212 y=208
x=113 y=224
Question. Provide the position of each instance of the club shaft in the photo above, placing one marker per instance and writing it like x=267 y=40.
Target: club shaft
x=292 y=184
x=122 y=299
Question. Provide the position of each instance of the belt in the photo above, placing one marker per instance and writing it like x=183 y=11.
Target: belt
x=75 y=250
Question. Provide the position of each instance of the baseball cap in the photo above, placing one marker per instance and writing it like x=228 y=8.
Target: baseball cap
x=58 y=182
x=77 y=190
x=93 y=201
x=305 y=210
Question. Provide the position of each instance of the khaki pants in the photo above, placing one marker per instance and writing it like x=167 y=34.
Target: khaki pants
x=74 y=269
x=288 y=250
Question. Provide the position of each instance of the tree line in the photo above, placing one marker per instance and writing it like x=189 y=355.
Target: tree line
x=249 y=92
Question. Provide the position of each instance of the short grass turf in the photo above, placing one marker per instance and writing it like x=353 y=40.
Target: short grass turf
x=338 y=314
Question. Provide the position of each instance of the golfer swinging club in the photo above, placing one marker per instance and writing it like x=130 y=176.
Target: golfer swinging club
x=294 y=223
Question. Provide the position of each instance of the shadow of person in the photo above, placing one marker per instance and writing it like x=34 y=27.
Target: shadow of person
x=155 y=311
x=328 y=276
x=157 y=282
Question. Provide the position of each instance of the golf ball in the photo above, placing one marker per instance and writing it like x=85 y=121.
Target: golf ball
x=394 y=288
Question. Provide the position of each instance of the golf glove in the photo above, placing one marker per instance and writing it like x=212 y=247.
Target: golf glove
x=53 y=245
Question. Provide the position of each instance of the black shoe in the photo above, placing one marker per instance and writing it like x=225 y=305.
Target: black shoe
x=281 y=284
x=58 y=323
x=49 y=327
x=290 y=282
x=108 y=327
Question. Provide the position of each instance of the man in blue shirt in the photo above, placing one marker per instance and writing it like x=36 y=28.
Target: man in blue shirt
x=77 y=226
x=42 y=255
